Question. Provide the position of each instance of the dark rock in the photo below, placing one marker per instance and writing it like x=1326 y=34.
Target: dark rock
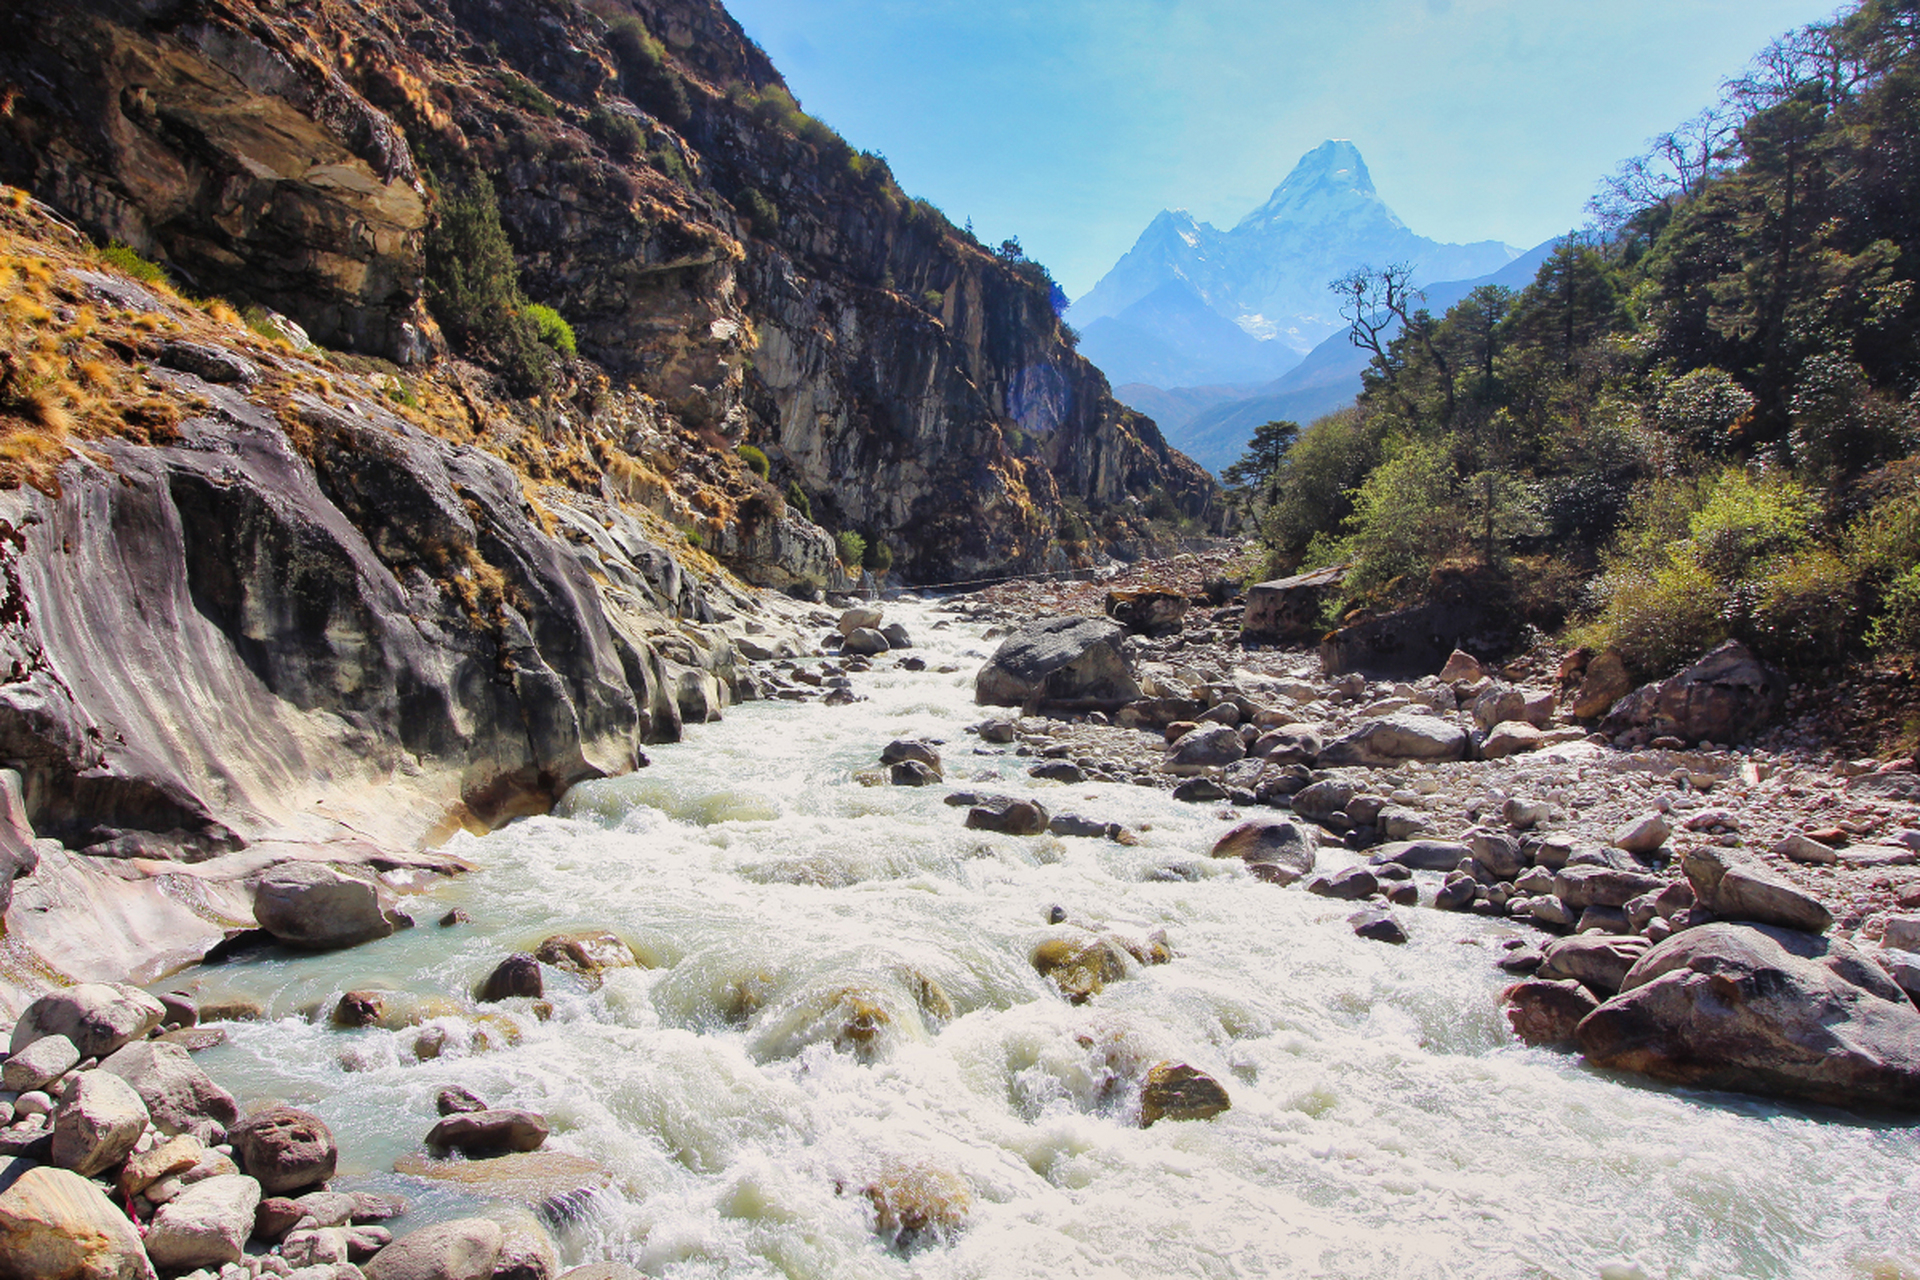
x=912 y=773
x=1581 y=887
x=1594 y=960
x=517 y=975
x=1351 y=884
x=1733 y=888
x=1521 y=960
x=454 y=917
x=1058 y=771
x=1071 y=824
x=901 y=749
x=1392 y=739
x=1725 y=697
x=1377 y=926
x=1275 y=851
x=207 y=362
x=360 y=1009
x=1199 y=791
x=1422 y=855
x=1176 y=1091
x=453 y=1101
x=1147 y=612
x=1288 y=610
x=1454 y=895
x=896 y=636
x=865 y=641
x=479 y=1133
x=1546 y=1014
x=1008 y=816
x=1205 y=747
x=1403 y=893
x=284 y=1150
x=1069 y=663
x=1763 y=1010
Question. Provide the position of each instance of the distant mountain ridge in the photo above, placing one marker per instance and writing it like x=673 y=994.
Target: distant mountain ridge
x=1267 y=277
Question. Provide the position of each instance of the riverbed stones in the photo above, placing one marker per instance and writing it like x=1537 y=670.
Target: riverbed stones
x=1643 y=835
x=1008 y=815
x=1176 y=1091
x=1377 y=925
x=1322 y=800
x=516 y=976
x=284 y=1149
x=97 y=1017
x=206 y=1225
x=463 y=1249
x=1348 y=884
x=1546 y=1013
x=1511 y=738
x=1597 y=961
x=1204 y=748
x=1397 y=738
x=1497 y=853
x=46 y=1059
x=1763 y=1010
x=179 y=1096
x=96 y=1123
x=56 y=1225
x=498 y=1130
x=318 y=908
x=1075 y=662
x=1735 y=889
x=1277 y=852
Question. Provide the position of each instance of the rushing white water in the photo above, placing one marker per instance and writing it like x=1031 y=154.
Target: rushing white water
x=1383 y=1123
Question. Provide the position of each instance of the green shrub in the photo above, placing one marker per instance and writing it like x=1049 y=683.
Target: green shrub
x=1406 y=516
x=798 y=500
x=1702 y=408
x=759 y=210
x=553 y=328
x=1807 y=608
x=693 y=538
x=934 y=299
x=755 y=459
x=645 y=74
x=1896 y=629
x=622 y=134
x=666 y=158
x=128 y=263
x=852 y=547
x=1315 y=480
x=1747 y=519
x=1657 y=617
x=879 y=556
x=525 y=94
x=473 y=288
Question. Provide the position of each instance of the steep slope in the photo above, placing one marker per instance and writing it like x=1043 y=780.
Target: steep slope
x=1269 y=274
x=277 y=155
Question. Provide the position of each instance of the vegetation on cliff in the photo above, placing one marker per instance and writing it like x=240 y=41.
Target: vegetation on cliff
x=1699 y=421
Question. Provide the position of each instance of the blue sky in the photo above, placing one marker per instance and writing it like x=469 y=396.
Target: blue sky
x=1070 y=123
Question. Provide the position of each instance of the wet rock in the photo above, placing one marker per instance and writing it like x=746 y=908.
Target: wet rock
x=1274 y=851
x=454 y=917
x=1076 y=662
x=1423 y=855
x=1204 y=748
x=587 y=952
x=45 y=1060
x=1079 y=964
x=1546 y=1014
x=1008 y=816
x=1511 y=738
x=1734 y=889
x=912 y=773
x=896 y=636
x=179 y=1096
x=315 y=907
x=526 y=1250
x=1581 y=887
x=913 y=1202
x=1763 y=1010
x=97 y=1017
x=284 y=1149
x=97 y=1123
x=1643 y=835
x=866 y=642
x=1349 y=884
x=1377 y=926
x=555 y=1183
x=360 y=1009
x=903 y=749
x=454 y=1101
x=1199 y=791
x=1396 y=738
x=1323 y=800
x=55 y=1225
x=1176 y=1091
x=206 y=1225
x=1058 y=771
x=1725 y=697
x=474 y=1133
x=463 y=1249
x=1595 y=961
x=516 y=976
x=1072 y=824
x=861 y=617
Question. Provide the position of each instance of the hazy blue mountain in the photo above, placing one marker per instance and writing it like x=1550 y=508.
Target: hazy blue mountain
x=1267 y=276
x=1212 y=424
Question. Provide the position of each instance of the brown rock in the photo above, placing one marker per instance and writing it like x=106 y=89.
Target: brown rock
x=587 y=952
x=474 y=1133
x=1274 y=851
x=1545 y=1014
x=517 y=975
x=1176 y=1091
x=284 y=1149
x=1604 y=682
x=1080 y=965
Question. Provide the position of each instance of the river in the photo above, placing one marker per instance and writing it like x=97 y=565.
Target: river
x=1383 y=1122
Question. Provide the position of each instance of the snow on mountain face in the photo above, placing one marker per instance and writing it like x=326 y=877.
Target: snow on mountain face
x=1268 y=275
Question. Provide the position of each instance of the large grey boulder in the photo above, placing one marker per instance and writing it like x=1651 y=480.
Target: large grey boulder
x=98 y=1017
x=1288 y=610
x=54 y=1223
x=1725 y=697
x=97 y=1123
x=1277 y=852
x=1734 y=889
x=1590 y=886
x=315 y=907
x=1211 y=746
x=1763 y=1010
x=179 y=1096
x=1077 y=662
x=1421 y=855
x=463 y=1249
x=45 y=1060
x=1394 y=738
x=206 y=1225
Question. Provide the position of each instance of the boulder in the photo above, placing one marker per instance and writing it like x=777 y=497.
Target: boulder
x=1208 y=747
x=1377 y=925
x=865 y=642
x=97 y=1123
x=1321 y=800
x=1581 y=887
x=1275 y=851
x=526 y=1250
x=463 y=1249
x=1289 y=744
x=1546 y=1014
x=1497 y=853
x=274 y=1217
x=1763 y=1010
x=144 y=1168
x=284 y=1149
x=1422 y=855
x=912 y=773
x=45 y=1060
x=1725 y=697
x=861 y=617
x=454 y=1101
x=1593 y=960
x=1511 y=738
x=483 y=1132
x=1902 y=933
x=179 y=1096
x=1604 y=683
x=1643 y=835
x=1288 y=610
x=206 y=1225
x=1349 y=884
x=1733 y=889
x=56 y=1225
x=1007 y=816
x=1079 y=964
x=586 y=952
x=1075 y=662
x=1499 y=704
x=1462 y=666
x=315 y=907
x=98 y=1017
x=915 y=750
x=517 y=975
x=896 y=636
x=1176 y=1091
x=1395 y=738
x=1149 y=611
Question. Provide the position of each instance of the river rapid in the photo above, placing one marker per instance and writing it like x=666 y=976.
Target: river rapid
x=1383 y=1123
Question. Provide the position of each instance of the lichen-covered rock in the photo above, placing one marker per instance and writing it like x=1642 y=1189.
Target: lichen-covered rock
x=1076 y=662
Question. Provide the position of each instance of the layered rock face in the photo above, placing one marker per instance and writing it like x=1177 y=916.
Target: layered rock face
x=914 y=385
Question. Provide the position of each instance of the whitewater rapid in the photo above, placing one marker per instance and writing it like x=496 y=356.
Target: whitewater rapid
x=1383 y=1122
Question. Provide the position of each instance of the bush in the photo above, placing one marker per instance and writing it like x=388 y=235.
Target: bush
x=645 y=74
x=473 y=288
x=759 y=210
x=879 y=556
x=1658 y=617
x=623 y=136
x=755 y=459
x=798 y=500
x=853 y=548
x=1315 y=482
x=1897 y=627
x=128 y=263
x=552 y=328
x=526 y=95
x=1406 y=516
x=1702 y=409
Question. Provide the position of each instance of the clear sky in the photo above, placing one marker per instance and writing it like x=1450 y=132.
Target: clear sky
x=1070 y=123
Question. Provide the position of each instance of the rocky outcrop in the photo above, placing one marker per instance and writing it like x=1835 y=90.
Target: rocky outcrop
x=1725 y=697
x=1288 y=610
